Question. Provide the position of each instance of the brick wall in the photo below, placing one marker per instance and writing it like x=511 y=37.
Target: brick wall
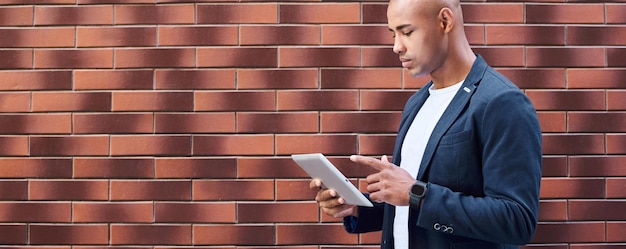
x=134 y=124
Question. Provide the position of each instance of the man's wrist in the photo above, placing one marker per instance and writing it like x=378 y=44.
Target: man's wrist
x=416 y=194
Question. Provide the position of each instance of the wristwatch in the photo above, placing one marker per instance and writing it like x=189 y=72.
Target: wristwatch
x=416 y=193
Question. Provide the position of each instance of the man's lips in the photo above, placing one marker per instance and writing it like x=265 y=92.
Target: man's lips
x=406 y=63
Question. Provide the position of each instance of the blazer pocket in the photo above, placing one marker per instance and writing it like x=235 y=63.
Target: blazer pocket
x=456 y=138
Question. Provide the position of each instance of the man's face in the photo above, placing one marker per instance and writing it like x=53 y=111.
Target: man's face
x=418 y=38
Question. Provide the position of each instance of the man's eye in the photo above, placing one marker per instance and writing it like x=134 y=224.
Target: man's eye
x=408 y=33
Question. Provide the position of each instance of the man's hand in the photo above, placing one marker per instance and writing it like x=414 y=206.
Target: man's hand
x=391 y=184
x=330 y=203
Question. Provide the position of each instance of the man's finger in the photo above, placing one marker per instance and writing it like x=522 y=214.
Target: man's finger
x=381 y=164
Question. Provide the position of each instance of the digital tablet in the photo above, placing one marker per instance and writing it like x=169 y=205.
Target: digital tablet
x=319 y=167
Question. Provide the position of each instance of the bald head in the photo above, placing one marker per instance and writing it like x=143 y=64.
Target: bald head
x=429 y=8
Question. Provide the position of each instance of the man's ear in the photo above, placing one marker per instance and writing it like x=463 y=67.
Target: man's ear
x=446 y=20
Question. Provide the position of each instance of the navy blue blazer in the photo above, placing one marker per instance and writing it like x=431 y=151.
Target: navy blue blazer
x=482 y=164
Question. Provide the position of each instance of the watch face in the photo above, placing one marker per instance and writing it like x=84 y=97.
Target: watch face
x=418 y=190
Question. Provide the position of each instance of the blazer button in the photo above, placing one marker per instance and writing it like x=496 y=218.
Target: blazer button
x=437 y=226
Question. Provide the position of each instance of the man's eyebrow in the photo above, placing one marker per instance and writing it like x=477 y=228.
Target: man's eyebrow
x=400 y=27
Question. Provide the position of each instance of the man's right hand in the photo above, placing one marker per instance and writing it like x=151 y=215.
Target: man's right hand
x=330 y=203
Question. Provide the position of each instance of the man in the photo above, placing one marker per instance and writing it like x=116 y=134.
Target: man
x=466 y=166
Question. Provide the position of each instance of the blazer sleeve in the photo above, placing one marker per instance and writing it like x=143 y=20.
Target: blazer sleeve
x=370 y=219
x=508 y=133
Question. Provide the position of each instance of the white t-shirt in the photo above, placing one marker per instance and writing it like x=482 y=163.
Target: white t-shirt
x=413 y=148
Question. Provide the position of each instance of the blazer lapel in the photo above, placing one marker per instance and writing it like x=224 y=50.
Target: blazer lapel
x=460 y=100
x=414 y=105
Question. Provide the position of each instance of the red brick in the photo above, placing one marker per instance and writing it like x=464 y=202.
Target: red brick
x=572 y=144
x=233 y=235
x=552 y=121
x=361 y=78
x=554 y=166
x=560 y=100
x=169 y=79
x=195 y=212
x=108 y=212
x=595 y=78
x=319 y=57
x=616 y=100
x=585 y=210
x=565 y=57
x=379 y=57
x=597 y=166
x=113 y=168
x=616 y=188
x=227 y=145
x=15 y=102
x=596 y=122
x=381 y=100
x=371 y=122
x=71 y=101
x=233 y=190
x=73 y=59
x=14 y=146
x=268 y=167
x=616 y=144
x=35 y=80
x=277 y=79
x=320 y=13
x=116 y=36
x=280 y=35
x=277 y=212
x=69 y=190
x=35 y=123
x=615 y=13
x=149 y=145
x=35 y=212
x=553 y=210
x=278 y=122
x=578 y=188
x=356 y=35
x=13 y=234
x=237 y=57
x=294 y=190
x=374 y=12
x=564 y=13
x=113 y=79
x=158 y=190
x=110 y=123
x=235 y=101
x=195 y=167
x=69 y=146
x=110 y=1
x=493 y=55
x=154 y=14
x=525 y=35
x=197 y=36
x=152 y=234
x=493 y=13
x=13 y=190
x=615 y=57
x=195 y=123
x=573 y=232
x=261 y=13
x=152 y=101
x=536 y=77
x=35 y=168
x=61 y=37
x=596 y=35
x=16 y=15
x=16 y=59
x=154 y=57
x=326 y=144
x=615 y=231
x=376 y=144
x=74 y=15
x=317 y=100
x=69 y=234
x=475 y=34
x=287 y=234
